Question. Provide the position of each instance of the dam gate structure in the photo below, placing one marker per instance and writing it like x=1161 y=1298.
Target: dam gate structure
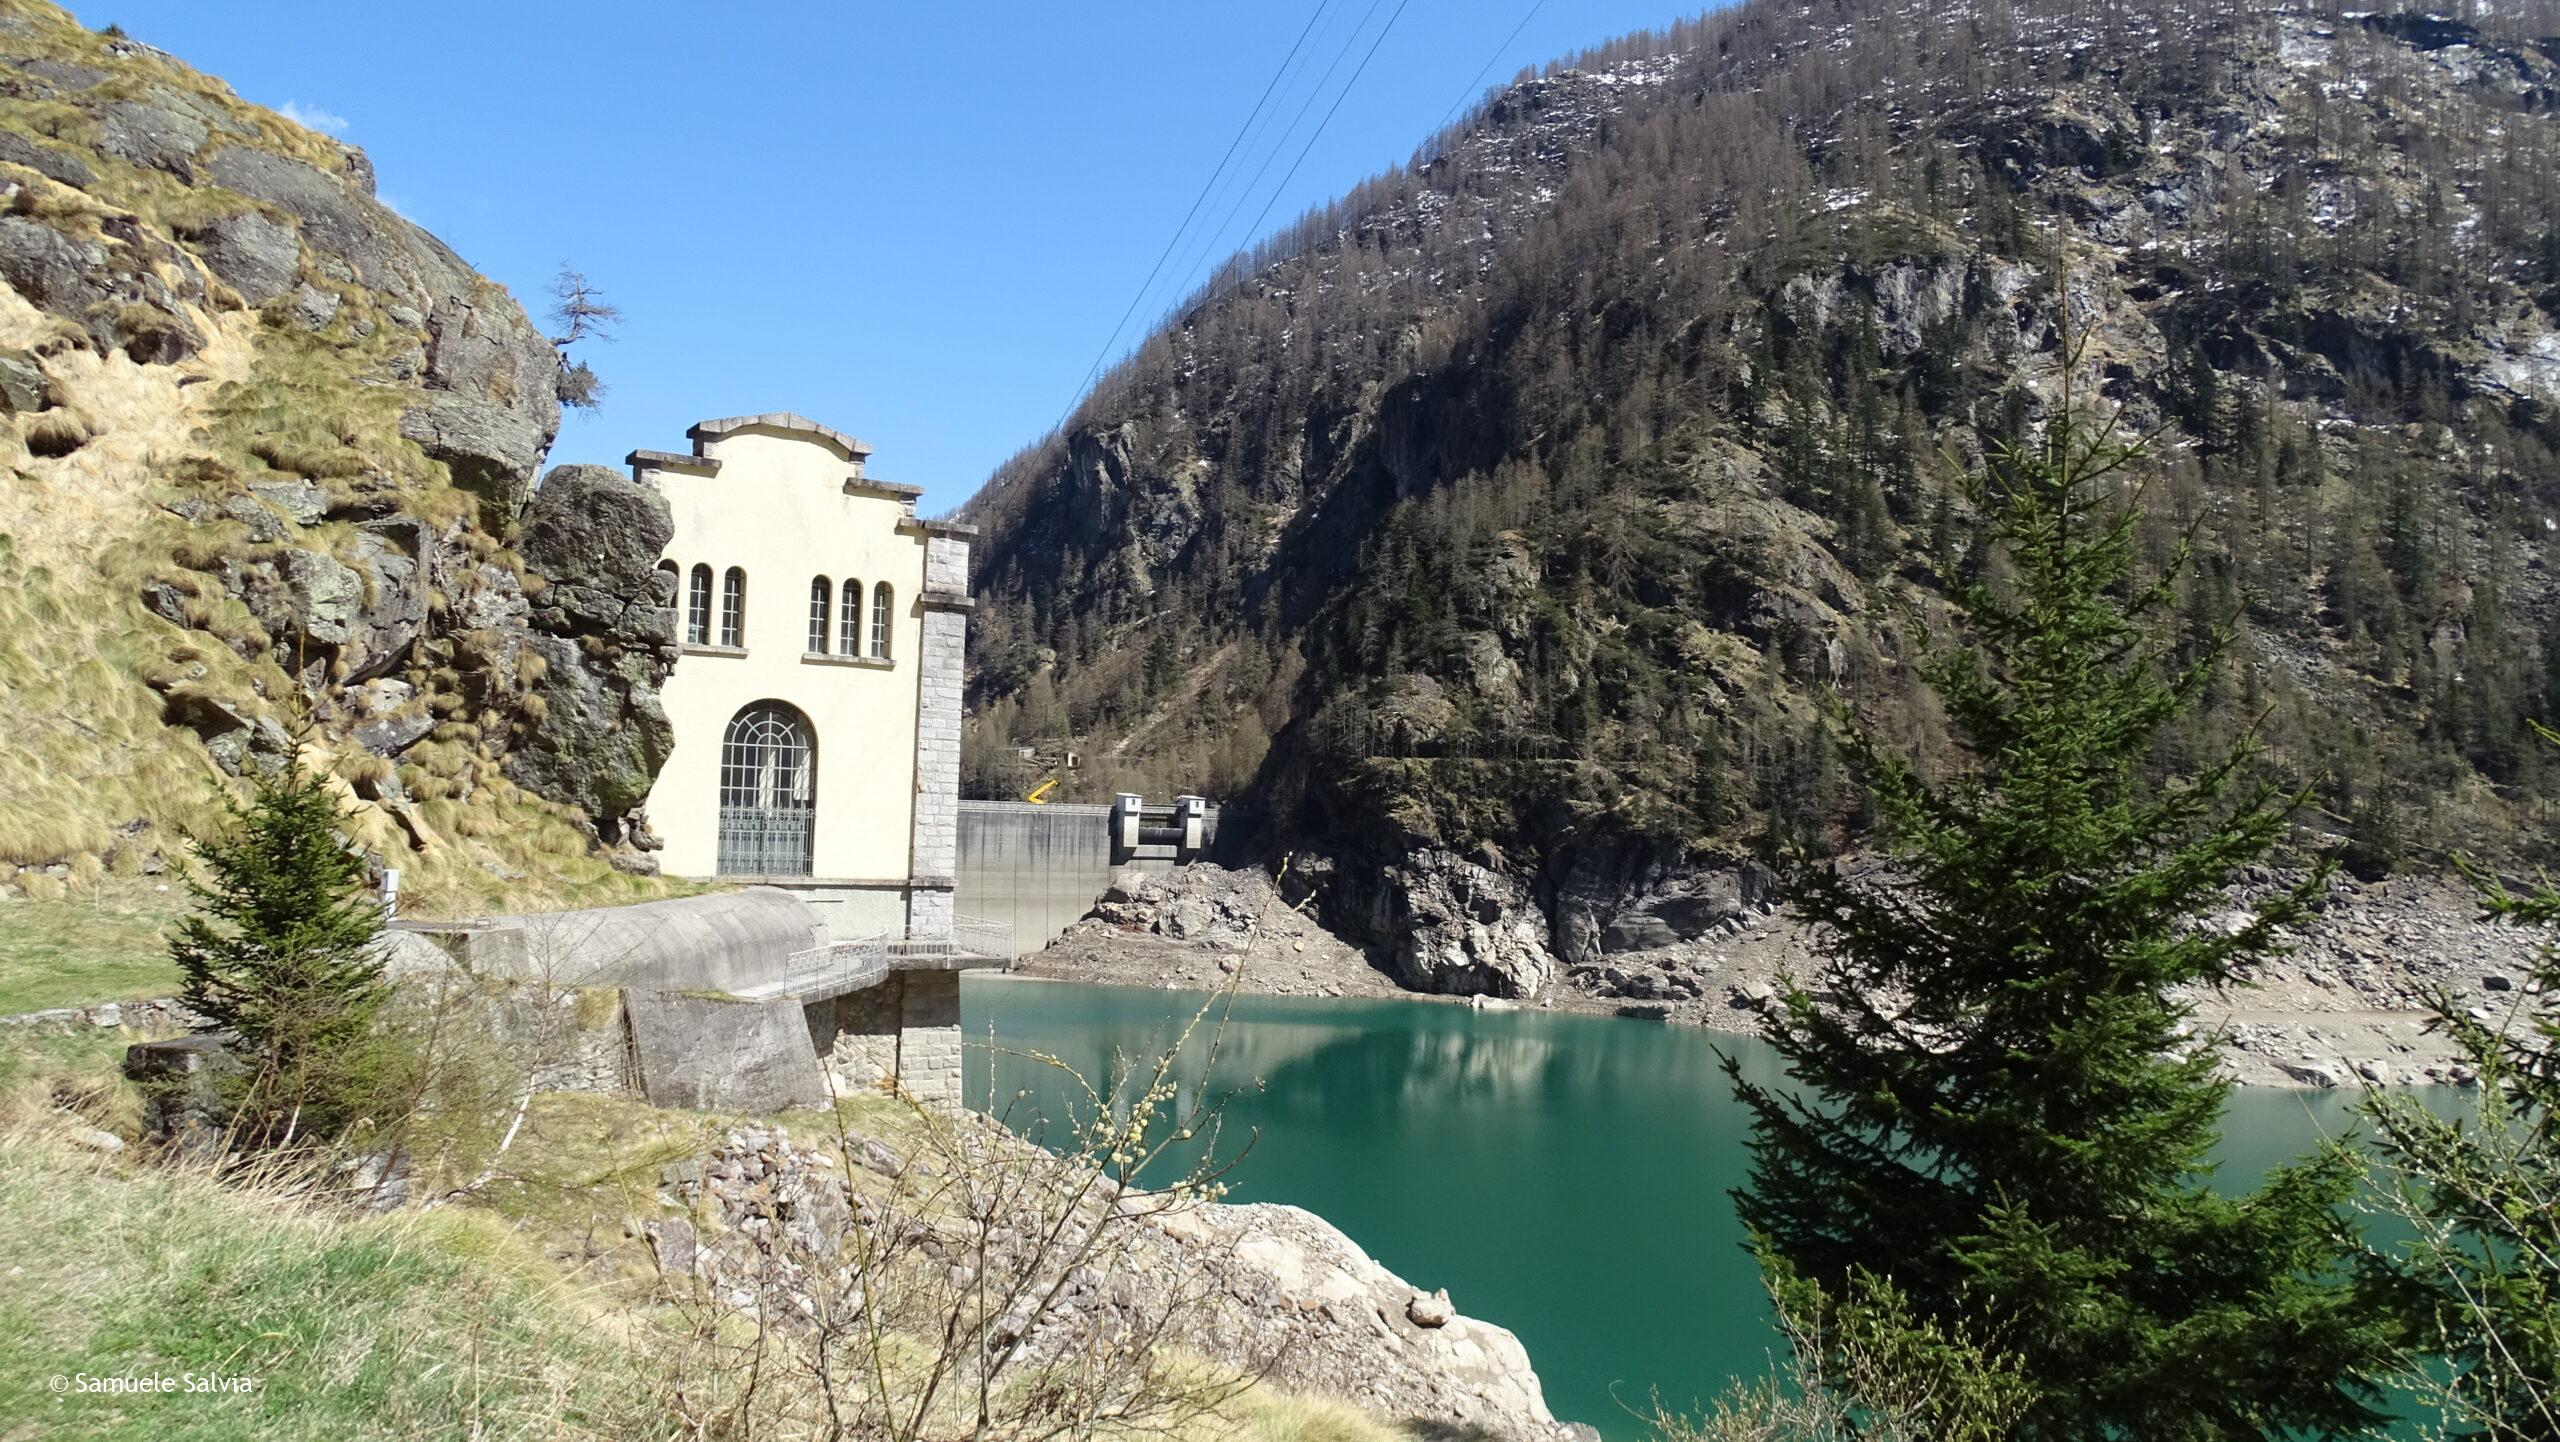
x=1027 y=871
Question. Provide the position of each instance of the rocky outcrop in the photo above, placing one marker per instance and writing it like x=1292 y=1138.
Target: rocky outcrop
x=335 y=375
x=1453 y=926
x=604 y=625
x=493 y=379
x=1638 y=898
x=1280 y=1292
x=113 y=286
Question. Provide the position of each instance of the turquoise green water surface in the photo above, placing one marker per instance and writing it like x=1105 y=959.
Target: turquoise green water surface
x=1564 y=1176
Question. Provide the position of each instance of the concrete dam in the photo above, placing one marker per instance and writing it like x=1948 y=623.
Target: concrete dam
x=1028 y=872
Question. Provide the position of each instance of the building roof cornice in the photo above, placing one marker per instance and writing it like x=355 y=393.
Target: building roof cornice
x=713 y=430
x=645 y=460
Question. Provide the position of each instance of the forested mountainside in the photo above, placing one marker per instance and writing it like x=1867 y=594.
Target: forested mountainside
x=267 y=462
x=1514 y=513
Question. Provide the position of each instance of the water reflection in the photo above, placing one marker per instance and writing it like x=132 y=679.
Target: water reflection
x=1565 y=1176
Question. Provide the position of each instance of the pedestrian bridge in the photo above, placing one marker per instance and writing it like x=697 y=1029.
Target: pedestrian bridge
x=822 y=973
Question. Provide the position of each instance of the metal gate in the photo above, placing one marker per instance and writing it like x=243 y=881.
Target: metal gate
x=768 y=791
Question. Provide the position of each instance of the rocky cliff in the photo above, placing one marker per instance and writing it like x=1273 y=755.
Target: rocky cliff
x=1498 y=530
x=272 y=456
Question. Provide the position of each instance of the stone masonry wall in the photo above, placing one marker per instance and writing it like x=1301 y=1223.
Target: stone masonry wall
x=857 y=1034
x=936 y=851
x=929 y=1037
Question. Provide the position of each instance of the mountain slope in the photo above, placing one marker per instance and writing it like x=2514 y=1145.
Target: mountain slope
x=1498 y=529
x=267 y=484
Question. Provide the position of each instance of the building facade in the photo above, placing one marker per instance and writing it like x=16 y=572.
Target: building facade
x=816 y=698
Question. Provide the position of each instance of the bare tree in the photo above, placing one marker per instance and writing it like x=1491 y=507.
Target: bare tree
x=579 y=312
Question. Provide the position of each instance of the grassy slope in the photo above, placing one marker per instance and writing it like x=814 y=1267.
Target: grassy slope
x=106 y=942
x=510 y=1316
x=93 y=777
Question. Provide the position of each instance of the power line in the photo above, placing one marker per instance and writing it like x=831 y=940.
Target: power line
x=1196 y=202
x=1474 y=87
x=1238 y=207
x=1207 y=240
x=1347 y=87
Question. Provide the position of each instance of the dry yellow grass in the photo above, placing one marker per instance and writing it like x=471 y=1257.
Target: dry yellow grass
x=94 y=775
x=524 y=1314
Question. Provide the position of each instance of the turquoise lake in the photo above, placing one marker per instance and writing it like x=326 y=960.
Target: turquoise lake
x=1564 y=1176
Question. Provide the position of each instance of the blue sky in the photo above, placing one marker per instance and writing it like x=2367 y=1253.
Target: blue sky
x=916 y=222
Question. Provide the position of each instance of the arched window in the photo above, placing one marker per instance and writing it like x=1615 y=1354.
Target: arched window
x=849 y=618
x=821 y=611
x=768 y=792
x=733 y=608
x=697 y=610
x=880 y=621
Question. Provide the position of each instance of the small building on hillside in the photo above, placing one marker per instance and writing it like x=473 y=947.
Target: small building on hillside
x=816 y=699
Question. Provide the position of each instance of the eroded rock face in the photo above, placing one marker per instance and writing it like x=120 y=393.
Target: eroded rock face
x=1460 y=928
x=1612 y=900
x=493 y=379
x=604 y=627
x=390 y=615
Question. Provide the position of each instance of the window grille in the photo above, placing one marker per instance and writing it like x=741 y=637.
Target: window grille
x=768 y=793
x=733 y=608
x=697 y=616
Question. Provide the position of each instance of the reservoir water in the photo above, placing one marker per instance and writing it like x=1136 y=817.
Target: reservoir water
x=1564 y=1176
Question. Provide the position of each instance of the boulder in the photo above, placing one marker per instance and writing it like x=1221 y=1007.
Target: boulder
x=301 y=502
x=602 y=736
x=112 y=291
x=594 y=535
x=325 y=596
x=54 y=271
x=395 y=598
x=150 y=135
x=480 y=344
x=62 y=76
x=44 y=160
x=490 y=451
x=255 y=255
x=603 y=627
x=335 y=219
x=23 y=390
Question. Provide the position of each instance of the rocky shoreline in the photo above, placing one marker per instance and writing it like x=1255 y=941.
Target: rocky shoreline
x=2343 y=1006
x=1280 y=1293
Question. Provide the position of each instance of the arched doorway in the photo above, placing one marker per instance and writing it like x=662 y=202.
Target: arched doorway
x=768 y=792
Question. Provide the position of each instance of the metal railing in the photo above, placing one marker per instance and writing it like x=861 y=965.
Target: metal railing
x=981 y=936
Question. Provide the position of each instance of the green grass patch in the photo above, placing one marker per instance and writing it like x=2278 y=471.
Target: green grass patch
x=106 y=943
x=403 y=1327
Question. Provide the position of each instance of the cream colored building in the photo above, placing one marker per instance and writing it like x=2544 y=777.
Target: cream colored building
x=816 y=699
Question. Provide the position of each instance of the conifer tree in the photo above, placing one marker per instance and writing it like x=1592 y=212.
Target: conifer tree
x=279 y=953
x=1995 y=1102
x=2478 y=1280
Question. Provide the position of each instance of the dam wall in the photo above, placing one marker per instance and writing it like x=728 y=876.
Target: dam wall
x=1032 y=871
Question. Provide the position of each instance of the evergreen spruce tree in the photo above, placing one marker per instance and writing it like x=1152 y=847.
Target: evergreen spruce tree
x=1995 y=1102
x=2478 y=1280
x=279 y=953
